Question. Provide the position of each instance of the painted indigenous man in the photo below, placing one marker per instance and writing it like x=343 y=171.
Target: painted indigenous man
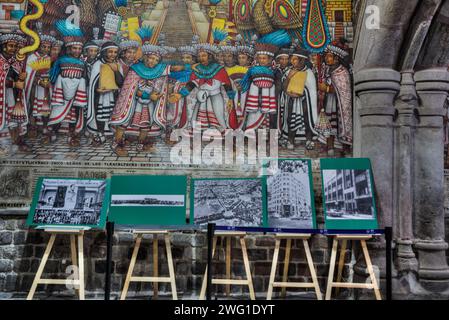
x=90 y=56
x=214 y=91
x=105 y=82
x=300 y=87
x=236 y=73
x=69 y=96
x=140 y=108
x=13 y=110
x=128 y=54
x=282 y=62
x=182 y=110
x=56 y=49
x=91 y=52
x=338 y=99
x=259 y=83
x=38 y=88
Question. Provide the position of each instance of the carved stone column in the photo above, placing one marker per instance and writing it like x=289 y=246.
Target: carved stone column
x=432 y=86
x=406 y=104
x=376 y=89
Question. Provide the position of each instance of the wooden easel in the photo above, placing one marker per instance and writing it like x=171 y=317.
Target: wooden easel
x=228 y=281
x=338 y=284
x=284 y=284
x=155 y=278
x=78 y=283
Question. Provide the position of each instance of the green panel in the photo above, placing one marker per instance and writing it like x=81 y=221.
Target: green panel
x=264 y=198
x=149 y=215
x=349 y=164
x=103 y=212
x=265 y=164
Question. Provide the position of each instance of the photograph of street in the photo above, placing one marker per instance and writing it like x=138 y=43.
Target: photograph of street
x=147 y=200
x=228 y=202
x=348 y=194
x=71 y=201
x=288 y=189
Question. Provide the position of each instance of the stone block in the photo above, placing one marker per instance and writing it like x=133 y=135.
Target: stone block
x=6 y=265
x=20 y=237
x=5 y=237
x=100 y=266
x=265 y=242
x=22 y=265
x=257 y=254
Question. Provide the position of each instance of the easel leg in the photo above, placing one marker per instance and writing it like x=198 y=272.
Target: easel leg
x=81 y=265
x=171 y=268
x=74 y=259
x=228 y=264
x=247 y=268
x=330 y=277
x=155 y=266
x=341 y=263
x=38 y=275
x=203 y=287
x=131 y=266
x=369 y=265
x=286 y=264
x=312 y=269
x=273 y=268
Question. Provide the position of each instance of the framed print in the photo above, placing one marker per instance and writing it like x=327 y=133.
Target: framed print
x=69 y=202
x=348 y=194
x=236 y=202
x=290 y=196
x=151 y=200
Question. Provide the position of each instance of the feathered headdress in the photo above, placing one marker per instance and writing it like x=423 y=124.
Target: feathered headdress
x=338 y=48
x=45 y=38
x=71 y=33
x=219 y=35
x=190 y=49
x=145 y=34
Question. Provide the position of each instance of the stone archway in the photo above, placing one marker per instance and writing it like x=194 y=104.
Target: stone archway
x=401 y=84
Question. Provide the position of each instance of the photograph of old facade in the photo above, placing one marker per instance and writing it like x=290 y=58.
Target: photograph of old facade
x=154 y=200
x=70 y=202
x=288 y=195
x=348 y=194
x=233 y=202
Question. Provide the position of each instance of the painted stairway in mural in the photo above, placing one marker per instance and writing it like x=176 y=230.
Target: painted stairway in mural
x=177 y=26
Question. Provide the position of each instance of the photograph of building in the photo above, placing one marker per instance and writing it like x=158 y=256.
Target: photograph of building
x=146 y=200
x=228 y=202
x=348 y=194
x=289 y=201
x=74 y=202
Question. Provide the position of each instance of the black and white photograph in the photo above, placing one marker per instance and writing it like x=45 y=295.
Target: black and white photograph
x=150 y=200
x=233 y=202
x=71 y=202
x=348 y=194
x=289 y=200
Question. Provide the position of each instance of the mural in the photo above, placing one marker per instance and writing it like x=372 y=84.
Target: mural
x=111 y=81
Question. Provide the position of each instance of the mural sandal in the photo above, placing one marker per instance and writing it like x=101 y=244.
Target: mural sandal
x=310 y=145
x=120 y=150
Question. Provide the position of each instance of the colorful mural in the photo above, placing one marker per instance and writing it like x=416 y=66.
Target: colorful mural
x=112 y=80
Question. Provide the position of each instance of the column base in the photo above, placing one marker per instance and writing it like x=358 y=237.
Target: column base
x=433 y=269
x=406 y=259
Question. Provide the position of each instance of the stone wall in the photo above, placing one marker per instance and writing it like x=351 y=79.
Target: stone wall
x=21 y=251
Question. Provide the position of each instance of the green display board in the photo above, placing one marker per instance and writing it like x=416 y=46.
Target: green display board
x=148 y=200
x=235 y=202
x=348 y=194
x=69 y=202
x=290 y=196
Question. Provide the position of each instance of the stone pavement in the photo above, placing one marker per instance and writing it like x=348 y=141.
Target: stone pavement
x=60 y=150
